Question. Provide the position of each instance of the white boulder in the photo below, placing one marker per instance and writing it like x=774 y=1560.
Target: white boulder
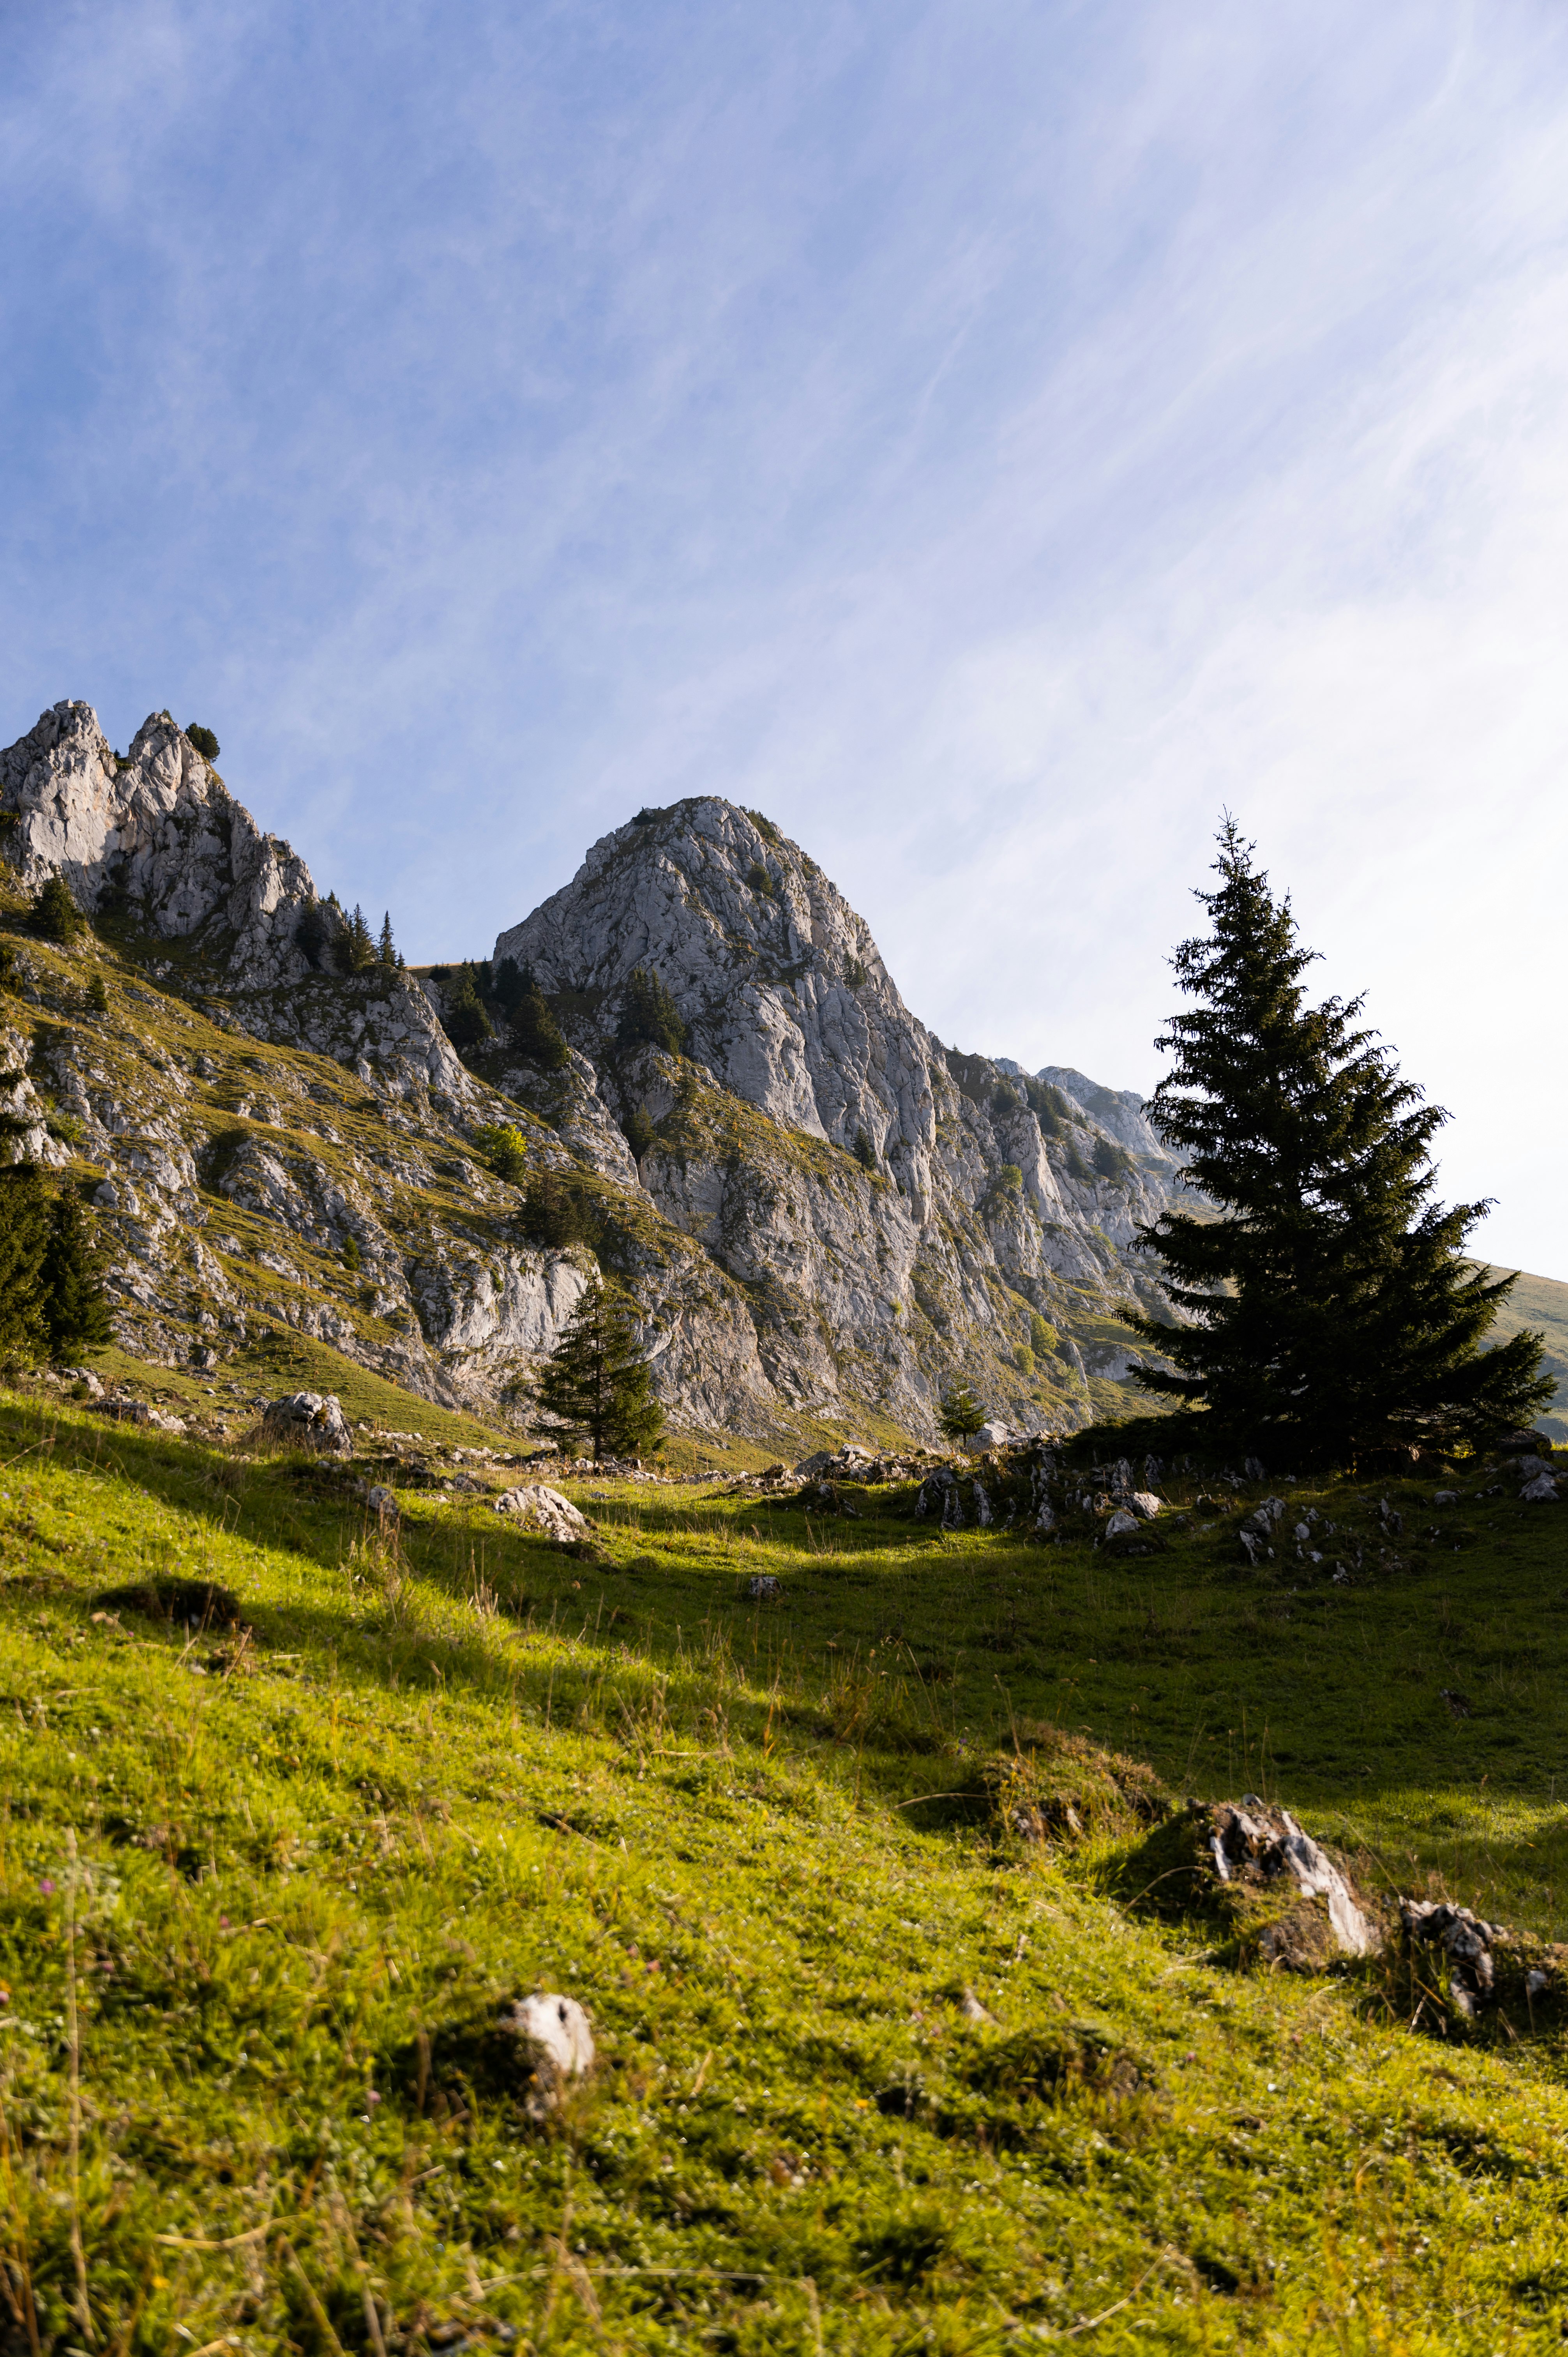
x=542 y=1508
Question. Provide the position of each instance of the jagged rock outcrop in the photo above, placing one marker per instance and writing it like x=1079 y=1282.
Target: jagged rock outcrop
x=818 y=1209
x=158 y=830
x=900 y=1212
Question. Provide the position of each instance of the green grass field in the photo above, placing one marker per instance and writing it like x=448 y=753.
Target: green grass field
x=265 y=1890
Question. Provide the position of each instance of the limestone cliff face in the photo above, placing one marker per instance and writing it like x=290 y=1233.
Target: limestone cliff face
x=897 y=1215
x=819 y=1210
x=160 y=828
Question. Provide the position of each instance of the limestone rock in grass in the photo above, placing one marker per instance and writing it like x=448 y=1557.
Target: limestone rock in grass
x=542 y=1508
x=556 y=2041
x=763 y=1587
x=1143 y=1503
x=1284 y=1900
x=995 y=1435
x=313 y=1420
x=1474 y=1965
x=1129 y=1533
x=1540 y=1489
x=1255 y=1537
x=124 y=1410
x=381 y=1502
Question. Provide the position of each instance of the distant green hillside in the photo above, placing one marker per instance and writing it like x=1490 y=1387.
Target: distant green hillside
x=1542 y=1302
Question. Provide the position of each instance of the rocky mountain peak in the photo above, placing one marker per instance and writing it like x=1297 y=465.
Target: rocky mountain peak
x=778 y=982
x=156 y=829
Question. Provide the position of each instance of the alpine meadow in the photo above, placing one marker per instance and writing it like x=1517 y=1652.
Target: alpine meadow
x=683 y=1671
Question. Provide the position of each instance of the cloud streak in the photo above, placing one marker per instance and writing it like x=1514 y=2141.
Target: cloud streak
x=992 y=440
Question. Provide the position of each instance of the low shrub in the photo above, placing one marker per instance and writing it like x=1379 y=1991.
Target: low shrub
x=205 y=742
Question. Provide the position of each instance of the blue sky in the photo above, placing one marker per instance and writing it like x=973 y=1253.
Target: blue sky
x=991 y=438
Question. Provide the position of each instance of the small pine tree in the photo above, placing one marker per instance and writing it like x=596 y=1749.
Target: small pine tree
x=76 y=1309
x=386 y=950
x=536 y=1035
x=961 y=1415
x=9 y=970
x=510 y=984
x=98 y=995
x=597 y=1383
x=354 y=948
x=640 y=1133
x=205 y=742
x=864 y=1152
x=24 y=1242
x=558 y=1212
x=1331 y=1304
x=55 y=913
x=467 y=1025
x=649 y=1016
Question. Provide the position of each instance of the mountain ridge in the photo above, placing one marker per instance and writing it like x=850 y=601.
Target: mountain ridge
x=827 y=1214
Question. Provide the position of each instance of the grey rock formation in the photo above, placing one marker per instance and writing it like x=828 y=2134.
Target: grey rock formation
x=826 y=1214
x=1118 y=1112
x=894 y=1210
x=159 y=829
x=313 y=1420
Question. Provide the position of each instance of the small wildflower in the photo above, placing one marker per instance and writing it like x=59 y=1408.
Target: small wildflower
x=372 y=2098
x=46 y=1887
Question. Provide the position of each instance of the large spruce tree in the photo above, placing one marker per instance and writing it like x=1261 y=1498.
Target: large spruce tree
x=24 y=1242
x=76 y=1309
x=1332 y=1307
x=597 y=1381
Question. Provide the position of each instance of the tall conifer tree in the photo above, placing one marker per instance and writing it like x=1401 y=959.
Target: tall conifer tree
x=1331 y=1303
x=24 y=1242
x=597 y=1381
x=76 y=1309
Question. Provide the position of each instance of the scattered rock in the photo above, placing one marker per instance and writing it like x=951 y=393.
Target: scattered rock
x=763 y=1587
x=995 y=1435
x=1143 y=1503
x=1459 y=1703
x=1540 y=1489
x=538 y=1508
x=381 y=1502
x=137 y=1412
x=552 y=2034
x=313 y=1420
x=1285 y=1900
x=1466 y=1941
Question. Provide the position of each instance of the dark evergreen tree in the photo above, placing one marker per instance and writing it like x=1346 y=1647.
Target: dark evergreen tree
x=386 y=949
x=1333 y=1309
x=596 y=1383
x=204 y=741
x=649 y=1016
x=960 y=1415
x=98 y=995
x=76 y=1310
x=864 y=1152
x=55 y=914
x=356 y=944
x=315 y=932
x=510 y=985
x=24 y=1242
x=536 y=1035
x=467 y=1025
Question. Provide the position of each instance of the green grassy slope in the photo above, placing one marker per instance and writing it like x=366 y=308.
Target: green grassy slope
x=446 y=1769
x=1542 y=1302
